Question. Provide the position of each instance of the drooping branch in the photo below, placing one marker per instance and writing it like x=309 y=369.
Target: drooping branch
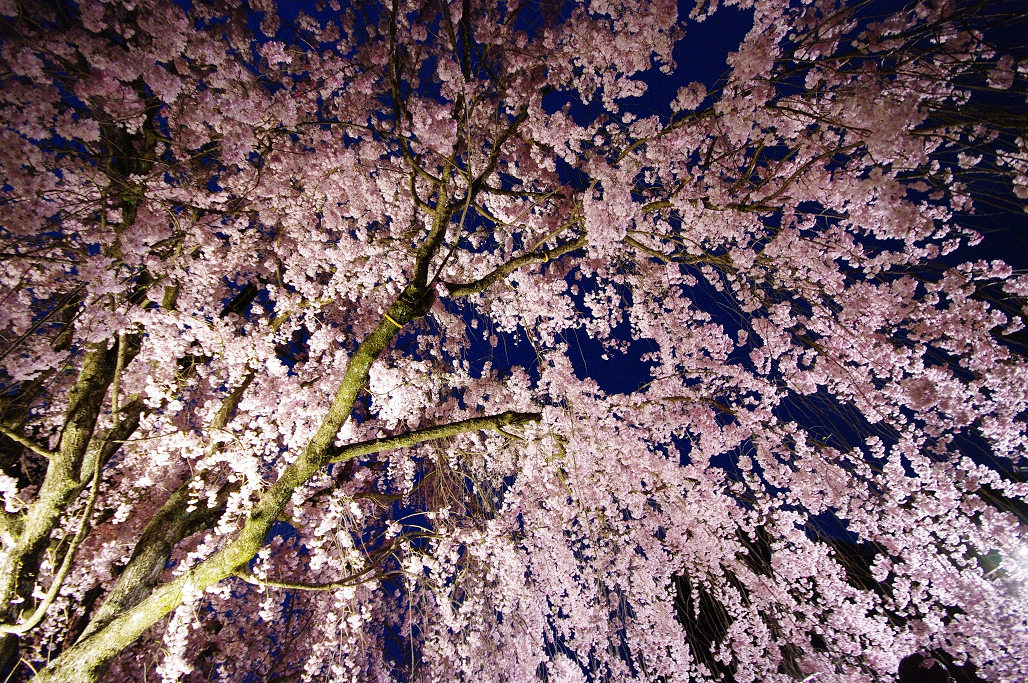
x=368 y=573
x=66 y=564
x=349 y=582
x=26 y=442
x=68 y=299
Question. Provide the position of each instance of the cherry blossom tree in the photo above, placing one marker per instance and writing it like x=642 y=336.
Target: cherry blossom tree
x=290 y=385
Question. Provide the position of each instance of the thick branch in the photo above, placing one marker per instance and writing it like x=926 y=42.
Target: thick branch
x=666 y=258
x=63 y=481
x=458 y=289
x=475 y=424
x=170 y=525
x=165 y=530
x=86 y=659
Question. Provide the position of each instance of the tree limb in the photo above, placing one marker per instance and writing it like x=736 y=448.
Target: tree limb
x=89 y=657
x=26 y=442
x=474 y=424
x=457 y=290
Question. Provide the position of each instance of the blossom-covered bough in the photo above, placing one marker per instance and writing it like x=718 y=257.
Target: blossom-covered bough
x=289 y=381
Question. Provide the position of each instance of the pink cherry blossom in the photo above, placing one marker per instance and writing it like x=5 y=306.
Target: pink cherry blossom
x=406 y=341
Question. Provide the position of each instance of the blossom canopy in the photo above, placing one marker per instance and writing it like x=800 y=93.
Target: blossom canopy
x=441 y=340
